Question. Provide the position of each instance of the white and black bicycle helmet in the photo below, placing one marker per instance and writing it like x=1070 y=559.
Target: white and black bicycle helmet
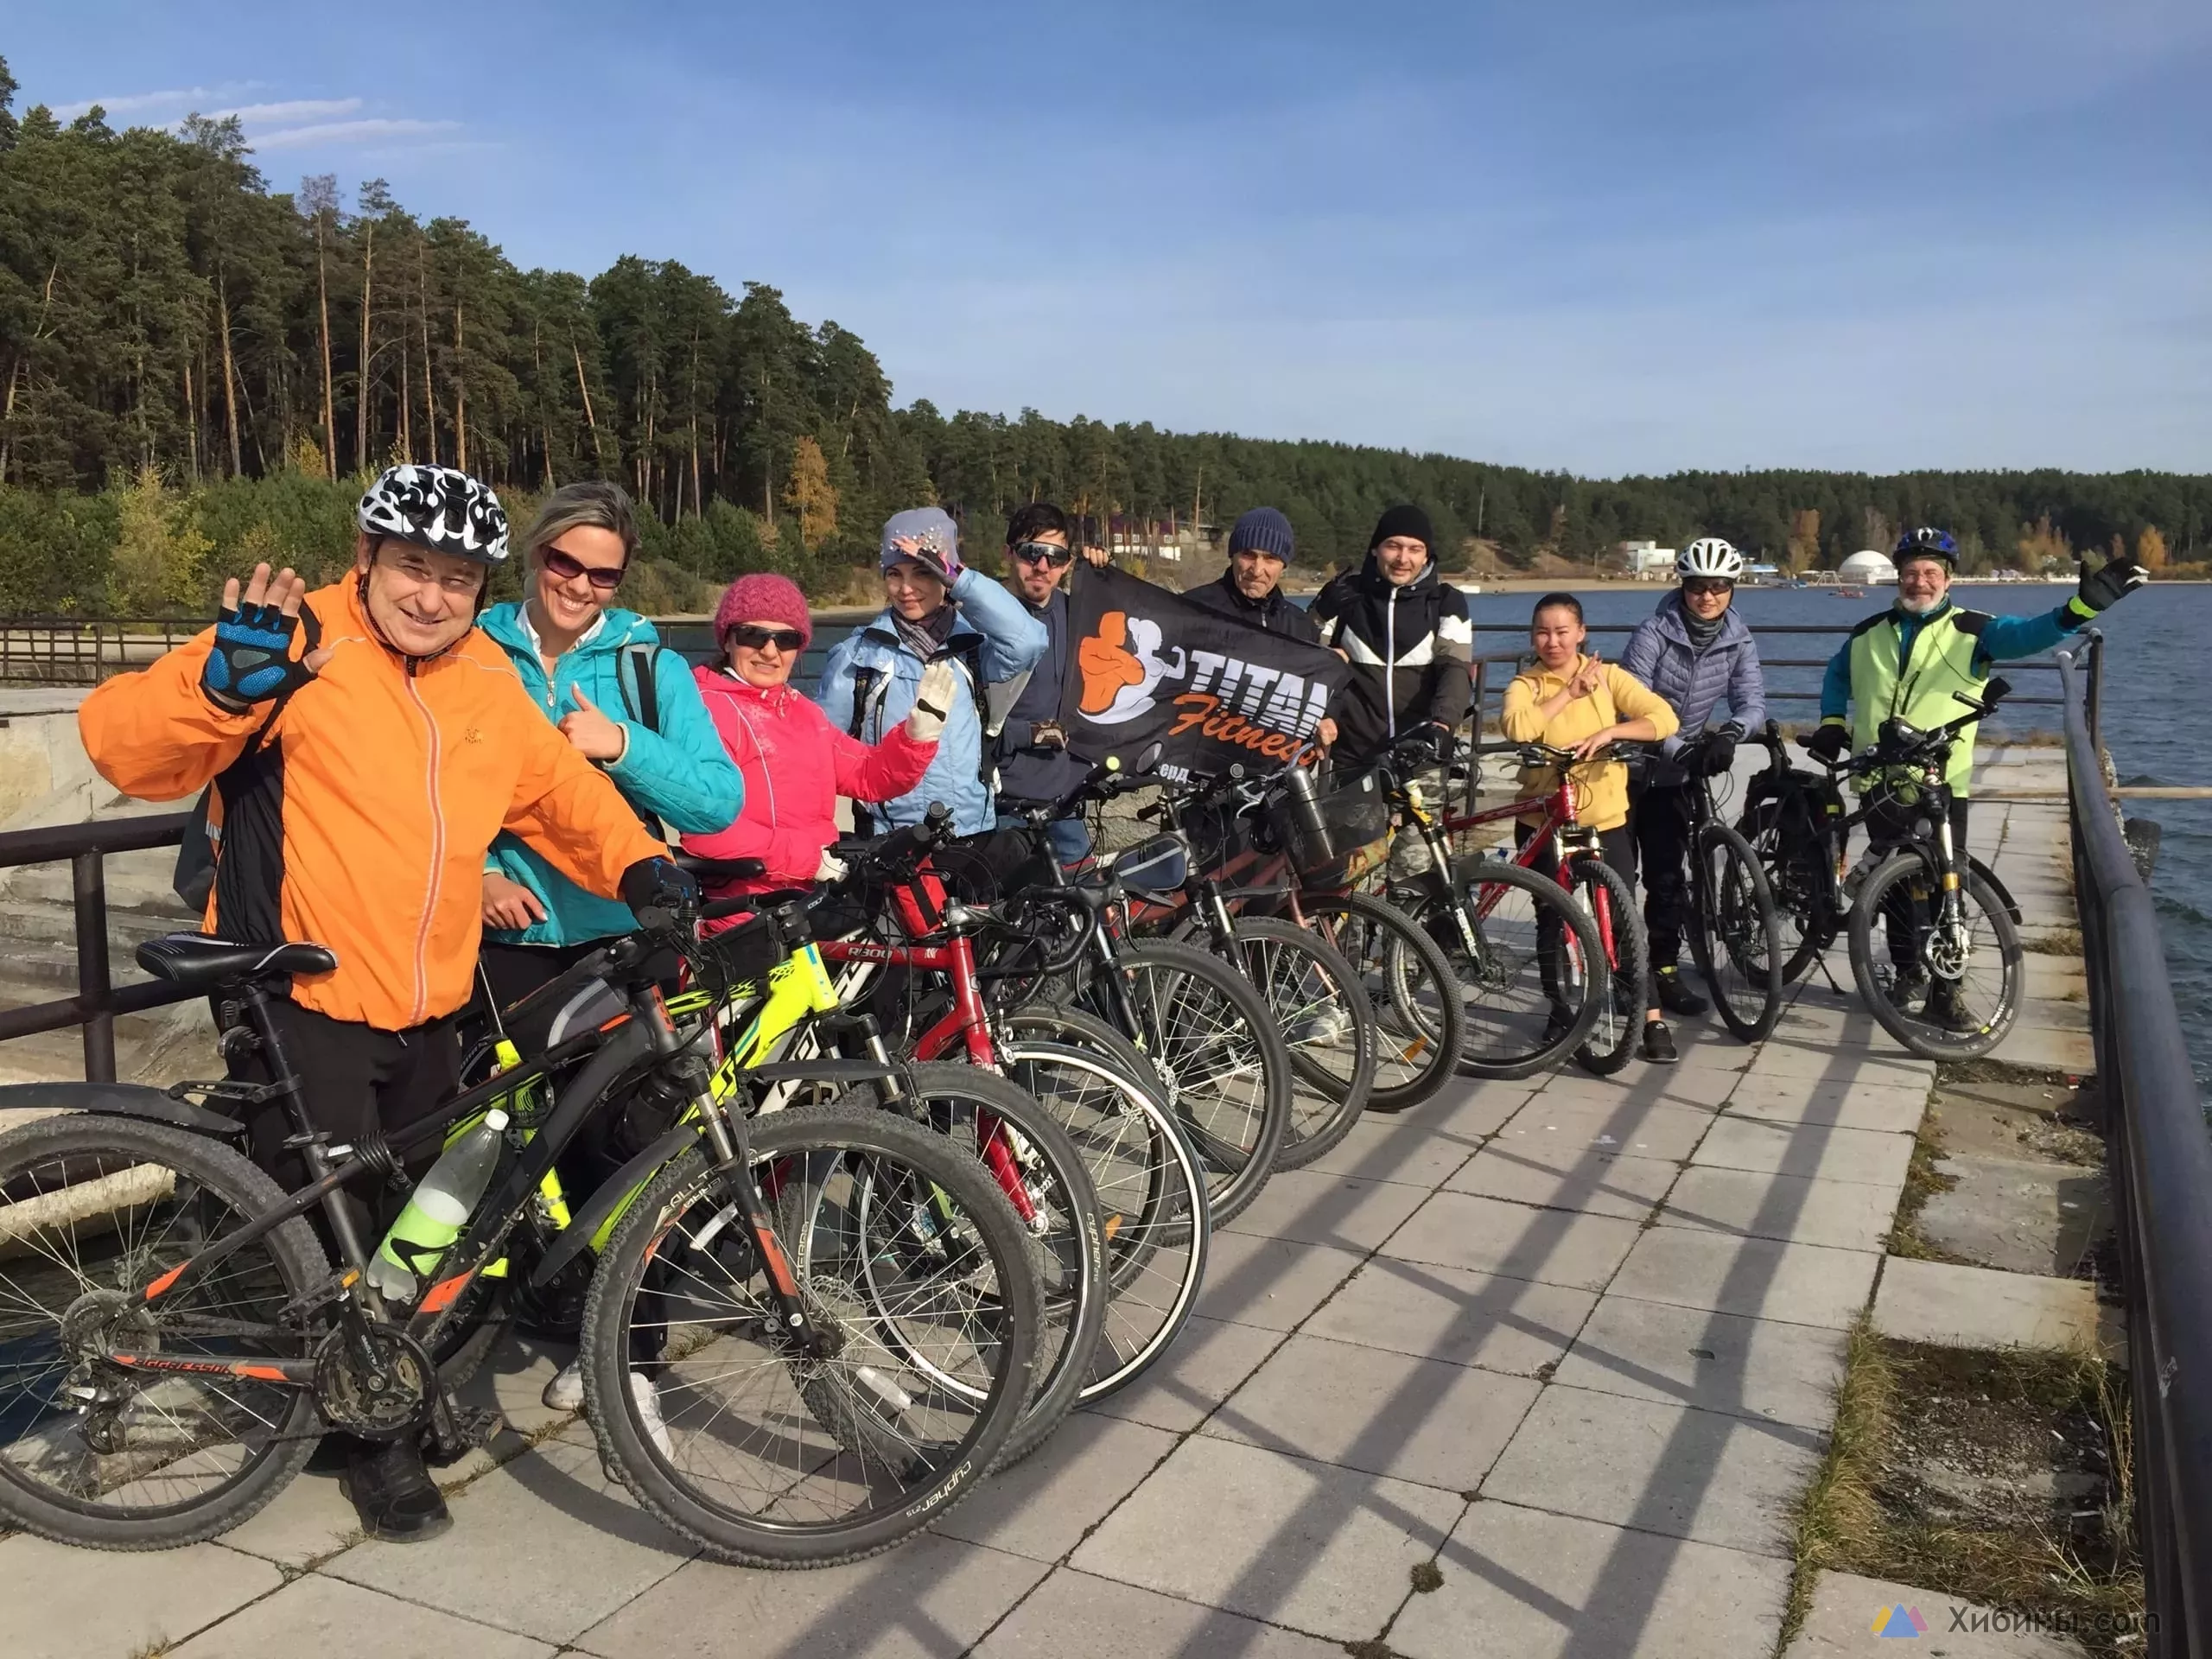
x=1710 y=557
x=437 y=507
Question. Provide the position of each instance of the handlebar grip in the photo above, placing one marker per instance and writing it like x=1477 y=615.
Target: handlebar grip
x=722 y=869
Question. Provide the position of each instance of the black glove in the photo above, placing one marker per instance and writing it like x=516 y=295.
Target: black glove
x=252 y=659
x=662 y=887
x=1829 y=743
x=1716 y=753
x=2108 y=587
x=1430 y=741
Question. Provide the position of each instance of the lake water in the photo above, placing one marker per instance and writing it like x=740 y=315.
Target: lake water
x=2153 y=697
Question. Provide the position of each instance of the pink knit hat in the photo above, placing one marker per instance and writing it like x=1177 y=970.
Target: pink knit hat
x=762 y=597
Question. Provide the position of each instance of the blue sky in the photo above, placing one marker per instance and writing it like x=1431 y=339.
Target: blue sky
x=1611 y=237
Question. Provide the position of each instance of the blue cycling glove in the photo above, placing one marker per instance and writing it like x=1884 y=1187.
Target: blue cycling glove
x=252 y=659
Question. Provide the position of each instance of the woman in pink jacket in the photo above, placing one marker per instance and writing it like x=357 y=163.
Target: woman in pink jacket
x=796 y=763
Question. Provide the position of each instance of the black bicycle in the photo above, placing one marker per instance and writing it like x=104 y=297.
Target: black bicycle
x=1735 y=934
x=174 y=1339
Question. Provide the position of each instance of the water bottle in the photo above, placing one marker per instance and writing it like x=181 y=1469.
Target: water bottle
x=434 y=1216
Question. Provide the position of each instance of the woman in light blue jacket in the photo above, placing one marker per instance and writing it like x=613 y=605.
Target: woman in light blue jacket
x=623 y=699
x=939 y=609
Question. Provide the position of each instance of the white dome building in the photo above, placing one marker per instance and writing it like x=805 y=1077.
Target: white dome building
x=1866 y=568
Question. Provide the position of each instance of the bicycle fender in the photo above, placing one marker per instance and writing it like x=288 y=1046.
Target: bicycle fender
x=2004 y=893
x=606 y=1206
x=119 y=1100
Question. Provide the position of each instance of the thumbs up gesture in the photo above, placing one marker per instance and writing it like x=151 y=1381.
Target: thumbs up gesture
x=591 y=734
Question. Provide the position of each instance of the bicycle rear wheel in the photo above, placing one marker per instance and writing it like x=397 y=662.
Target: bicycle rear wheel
x=1420 y=1021
x=1735 y=939
x=1794 y=856
x=1204 y=1026
x=93 y=1209
x=1326 y=1022
x=1618 y=991
x=916 y=1269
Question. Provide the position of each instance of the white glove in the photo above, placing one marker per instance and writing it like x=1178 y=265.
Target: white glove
x=831 y=868
x=933 y=702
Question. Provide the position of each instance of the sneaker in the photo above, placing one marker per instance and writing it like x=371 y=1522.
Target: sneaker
x=1557 y=1027
x=1325 y=1028
x=566 y=1391
x=1659 y=1042
x=1945 y=1009
x=391 y=1490
x=1909 y=990
x=1677 y=997
x=647 y=1398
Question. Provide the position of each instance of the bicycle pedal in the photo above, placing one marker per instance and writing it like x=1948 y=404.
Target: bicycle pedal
x=455 y=1431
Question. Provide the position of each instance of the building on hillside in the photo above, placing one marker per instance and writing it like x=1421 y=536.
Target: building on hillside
x=1175 y=542
x=1648 y=561
x=1867 y=568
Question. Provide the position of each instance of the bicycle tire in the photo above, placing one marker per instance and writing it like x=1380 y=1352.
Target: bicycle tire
x=1073 y=1267
x=1234 y=1118
x=1056 y=1023
x=1745 y=976
x=803 y=1143
x=1794 y=858
x=1328 y=1025
x=1612 y=1042
x=1419 y=1032
x=1928 y=1041
x=1152 y=1190
x=1514 y=1031
x=292 y=1254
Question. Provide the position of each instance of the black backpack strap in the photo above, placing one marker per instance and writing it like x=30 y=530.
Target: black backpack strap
x=640 y=684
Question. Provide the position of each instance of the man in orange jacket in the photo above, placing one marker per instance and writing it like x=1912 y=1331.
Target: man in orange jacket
x=367 y=744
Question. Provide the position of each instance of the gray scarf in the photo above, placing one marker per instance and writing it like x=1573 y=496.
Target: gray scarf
x=926 y=638
x=1701 y=632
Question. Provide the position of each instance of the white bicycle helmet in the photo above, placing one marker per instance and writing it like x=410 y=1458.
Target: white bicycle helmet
x=437 y=507
x=1709 y=555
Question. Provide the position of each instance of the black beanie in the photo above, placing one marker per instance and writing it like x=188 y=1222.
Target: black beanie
x=1402 y=521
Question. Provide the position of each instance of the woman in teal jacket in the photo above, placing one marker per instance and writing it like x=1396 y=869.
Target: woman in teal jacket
x=582 y=664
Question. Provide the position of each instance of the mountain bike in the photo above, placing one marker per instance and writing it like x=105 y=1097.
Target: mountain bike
x=1735 y=935
x=174 y=1340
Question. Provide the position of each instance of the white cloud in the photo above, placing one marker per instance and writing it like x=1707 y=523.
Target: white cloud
x=332 y=133
x=130 y=102
x=302 y=109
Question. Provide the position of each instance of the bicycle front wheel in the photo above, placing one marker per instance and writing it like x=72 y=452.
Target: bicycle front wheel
x=1519 y=945
x=914 y=1267
x=94 y=1450
x=1327 y=1024
x=1947 y=983
x=1794 y=855
x=1617 y=975
x=1735 y=938
x=1420 y=1021
x=1226 y=1068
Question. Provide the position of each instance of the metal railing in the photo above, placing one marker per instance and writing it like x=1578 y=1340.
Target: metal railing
x=2158 y=1159
x=84 y=651
x=99 y=999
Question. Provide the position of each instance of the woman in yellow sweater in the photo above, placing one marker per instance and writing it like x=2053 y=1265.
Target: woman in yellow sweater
x=1573 y=701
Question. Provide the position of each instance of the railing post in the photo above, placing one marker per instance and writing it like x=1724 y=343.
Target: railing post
x=89 y=885
x=2092 y=703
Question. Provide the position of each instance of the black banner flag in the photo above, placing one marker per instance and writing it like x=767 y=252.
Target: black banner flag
x=1151 y=667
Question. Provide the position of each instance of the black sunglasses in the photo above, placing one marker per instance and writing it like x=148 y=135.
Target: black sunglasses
x=1043 y=553
x=569 y=568
x=754 y=638
x=1708 y=584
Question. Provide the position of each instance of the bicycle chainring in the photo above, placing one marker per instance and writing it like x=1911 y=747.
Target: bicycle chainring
x=357 y=1403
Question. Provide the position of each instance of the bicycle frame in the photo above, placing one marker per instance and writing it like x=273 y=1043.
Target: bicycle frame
x=1558 y=834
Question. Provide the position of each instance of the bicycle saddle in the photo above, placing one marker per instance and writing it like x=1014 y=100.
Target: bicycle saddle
x=200 y=962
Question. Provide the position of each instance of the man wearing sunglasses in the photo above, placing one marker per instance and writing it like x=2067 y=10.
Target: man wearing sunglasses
x=1033 y=750
x=1697 y=653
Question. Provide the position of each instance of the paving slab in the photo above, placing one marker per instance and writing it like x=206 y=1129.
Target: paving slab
x=1325 y=1550
x=930 y=1597
x=1313 y=1207
x=1657 y=1467
x=1412 y=1419
x=1848 y=1612
x=308 y=1519
x=1200 y=1370
x=64 y=1603
x=1076 y=1616
x=2020 y=1214
x=1838 y=1105
x=1700 y=1091
x=1824 y=1061
x=1811 y=1149
x=1954 y=1306
x=1749 y=1204
x=1551 y=1177
x=330 y=1619
x=1520 y=1584
x=1457 y=1229
x=1397 y=1149
x=1512 y=1325
x=1466 y=1109
x=2048 y=1045
x=1758 y=1278
x=1043 y=1505
x=1717 y=1362
x=1269 y=1282
x=546 y=1546
x=1628 y=1127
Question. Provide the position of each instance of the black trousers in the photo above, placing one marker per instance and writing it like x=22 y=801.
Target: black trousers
x=1659 y=822
x=1618 y=847
x=1905 y=919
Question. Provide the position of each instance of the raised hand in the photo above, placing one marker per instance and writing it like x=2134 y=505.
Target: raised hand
x=251 y=660
x=591 y=734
